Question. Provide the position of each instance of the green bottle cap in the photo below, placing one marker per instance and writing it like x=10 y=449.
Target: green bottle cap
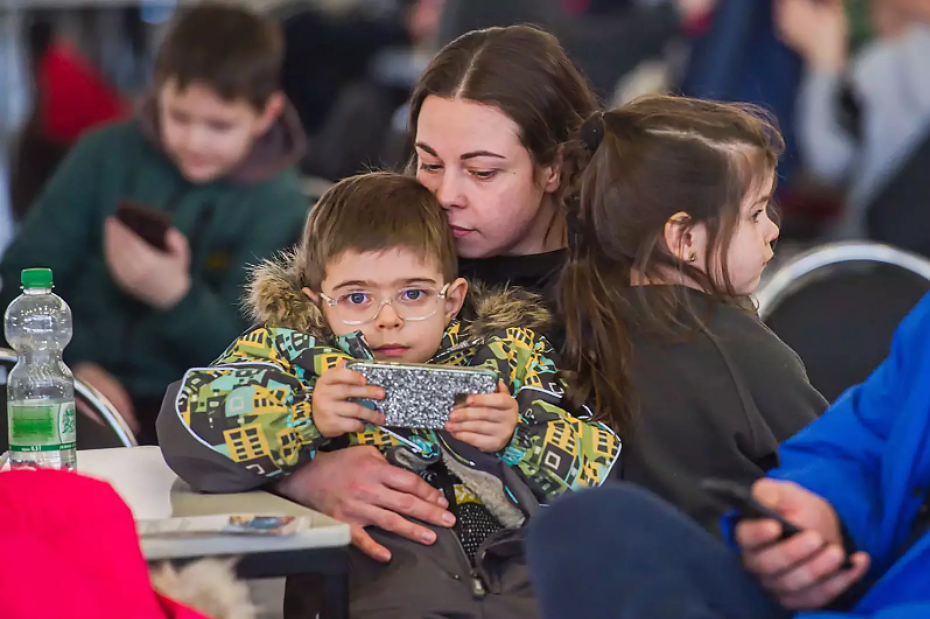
x=37 y=278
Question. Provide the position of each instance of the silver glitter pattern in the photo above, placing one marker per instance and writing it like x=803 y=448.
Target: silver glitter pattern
x=422 y=396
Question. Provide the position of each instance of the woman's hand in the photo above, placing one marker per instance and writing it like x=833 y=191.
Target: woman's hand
x=358 y=486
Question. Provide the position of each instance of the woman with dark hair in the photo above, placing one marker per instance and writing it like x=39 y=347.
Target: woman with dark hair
x=494 y=120
x=489 y=118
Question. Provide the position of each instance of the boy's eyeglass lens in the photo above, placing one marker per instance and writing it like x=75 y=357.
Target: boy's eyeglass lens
x=411 y=304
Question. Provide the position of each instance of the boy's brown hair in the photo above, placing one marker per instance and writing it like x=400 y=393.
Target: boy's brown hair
x=376 y=212
x=234 y=51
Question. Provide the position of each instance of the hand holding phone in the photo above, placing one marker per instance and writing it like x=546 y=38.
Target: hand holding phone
x=739 y=498
x=486 y=421
x=150 y=224
x=809 y=569
x=334 y=410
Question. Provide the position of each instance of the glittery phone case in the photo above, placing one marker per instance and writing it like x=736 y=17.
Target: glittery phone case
x=422 y=396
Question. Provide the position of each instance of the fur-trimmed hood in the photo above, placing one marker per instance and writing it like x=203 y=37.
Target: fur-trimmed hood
x=275 y=298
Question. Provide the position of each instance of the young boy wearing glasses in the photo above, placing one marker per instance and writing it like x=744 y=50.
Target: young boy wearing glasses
x=375 y=278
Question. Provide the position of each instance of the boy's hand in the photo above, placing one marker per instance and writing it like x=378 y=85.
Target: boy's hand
x=157 y=278
x=486 y=421
x=333 y=413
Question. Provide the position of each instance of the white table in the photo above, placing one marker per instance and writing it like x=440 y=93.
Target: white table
x=153 y=491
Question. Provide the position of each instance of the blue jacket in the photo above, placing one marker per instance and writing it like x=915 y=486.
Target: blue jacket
x=869 y=455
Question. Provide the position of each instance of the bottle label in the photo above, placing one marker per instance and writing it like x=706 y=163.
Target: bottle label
x=49 y=426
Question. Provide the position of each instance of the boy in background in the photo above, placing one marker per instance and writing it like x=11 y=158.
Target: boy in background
x=212 y=150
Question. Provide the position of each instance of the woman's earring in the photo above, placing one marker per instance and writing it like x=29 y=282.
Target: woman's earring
x=692 y=257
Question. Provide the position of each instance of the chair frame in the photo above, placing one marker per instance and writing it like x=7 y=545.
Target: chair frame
x=98 y=403
x=798 y=271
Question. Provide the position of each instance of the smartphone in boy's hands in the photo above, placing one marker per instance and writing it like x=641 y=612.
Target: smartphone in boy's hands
x=150 y=224
x=423 y=395
x=471 y=403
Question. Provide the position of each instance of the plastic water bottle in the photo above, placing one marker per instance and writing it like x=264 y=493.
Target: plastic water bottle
x=40 y=387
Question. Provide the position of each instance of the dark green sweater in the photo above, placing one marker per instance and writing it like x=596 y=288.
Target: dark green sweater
x=229 y=225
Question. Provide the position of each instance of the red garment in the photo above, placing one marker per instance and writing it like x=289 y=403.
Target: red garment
x=576 y=7
x=73 y=97
x=70 y=550
x=697 y=26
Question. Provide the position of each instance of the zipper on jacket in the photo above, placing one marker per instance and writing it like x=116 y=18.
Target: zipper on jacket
x=479 y=560
x=479 y=567
x=478 y=588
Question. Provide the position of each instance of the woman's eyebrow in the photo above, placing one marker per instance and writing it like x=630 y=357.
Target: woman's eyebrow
x=427 y=148
x=470 y=155
x=481 y=153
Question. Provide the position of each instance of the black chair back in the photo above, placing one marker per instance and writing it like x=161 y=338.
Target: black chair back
x=839 y=305
x=898 y=213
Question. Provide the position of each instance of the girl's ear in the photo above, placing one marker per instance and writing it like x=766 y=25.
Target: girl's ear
x=677 y=235
x=455 y=298
x=685 y=240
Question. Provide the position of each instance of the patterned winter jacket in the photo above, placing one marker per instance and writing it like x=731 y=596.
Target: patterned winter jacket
x=254 y=404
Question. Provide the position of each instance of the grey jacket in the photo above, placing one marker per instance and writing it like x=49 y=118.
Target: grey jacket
x=891 y=81
x=419 y=582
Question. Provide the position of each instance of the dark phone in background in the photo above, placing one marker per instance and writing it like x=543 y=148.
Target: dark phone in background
x=150 y=224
